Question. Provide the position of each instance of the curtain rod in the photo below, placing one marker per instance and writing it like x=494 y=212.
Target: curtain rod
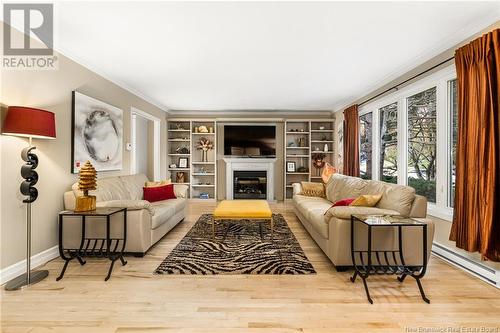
x=399 y=84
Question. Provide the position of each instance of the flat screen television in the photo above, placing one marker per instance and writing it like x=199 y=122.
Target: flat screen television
x=250 y=140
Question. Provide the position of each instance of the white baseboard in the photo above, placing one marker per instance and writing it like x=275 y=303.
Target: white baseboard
x=12 y=271
x=476 y=269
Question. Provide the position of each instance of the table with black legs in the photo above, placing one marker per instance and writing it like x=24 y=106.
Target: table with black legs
x=390 y=262
x=103 y=247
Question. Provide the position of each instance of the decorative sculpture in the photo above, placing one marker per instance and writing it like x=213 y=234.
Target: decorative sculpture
x=86 y=183
x=204 y=145
x=180 y=177
x=203 y=129
x=318 y=162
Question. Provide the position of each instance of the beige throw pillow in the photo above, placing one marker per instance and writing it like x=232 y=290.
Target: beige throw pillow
x=312 y=189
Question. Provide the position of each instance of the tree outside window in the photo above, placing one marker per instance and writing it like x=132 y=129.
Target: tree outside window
x=389 y=143
x=422 y=143
x=365 y=146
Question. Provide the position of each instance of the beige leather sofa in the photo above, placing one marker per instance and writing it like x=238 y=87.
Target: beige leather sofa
x=331 y=226
x=147 y=222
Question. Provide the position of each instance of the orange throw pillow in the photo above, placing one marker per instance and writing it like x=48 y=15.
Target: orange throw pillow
x=367 y=200
x=160 y=183
x=328 y=171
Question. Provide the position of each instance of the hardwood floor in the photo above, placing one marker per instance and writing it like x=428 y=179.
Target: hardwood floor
x=135 y=300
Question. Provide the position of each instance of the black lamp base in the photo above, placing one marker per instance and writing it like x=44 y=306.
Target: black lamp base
x=22 y=280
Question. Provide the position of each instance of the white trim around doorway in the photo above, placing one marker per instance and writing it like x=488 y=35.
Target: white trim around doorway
x=134 y=113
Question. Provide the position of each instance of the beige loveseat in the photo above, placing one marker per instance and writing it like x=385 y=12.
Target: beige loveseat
x=331 y=226
x=147 y=222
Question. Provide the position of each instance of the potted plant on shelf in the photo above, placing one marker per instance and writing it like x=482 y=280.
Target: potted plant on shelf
x=205 y=145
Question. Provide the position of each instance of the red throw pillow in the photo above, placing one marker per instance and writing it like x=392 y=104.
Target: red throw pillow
x=159 y=193
x=343 y=202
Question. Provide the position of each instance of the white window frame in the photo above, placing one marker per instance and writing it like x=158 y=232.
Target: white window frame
x=439 y=80
x=360 y=114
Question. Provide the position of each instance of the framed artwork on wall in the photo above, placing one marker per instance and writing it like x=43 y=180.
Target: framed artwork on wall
x=290 y=166
x=97 y=134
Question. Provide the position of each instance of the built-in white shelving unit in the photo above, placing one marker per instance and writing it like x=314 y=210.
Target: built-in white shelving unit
x=200 y=176
x=304 y=139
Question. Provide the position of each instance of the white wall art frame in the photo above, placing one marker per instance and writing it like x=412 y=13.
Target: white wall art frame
x=97 y=134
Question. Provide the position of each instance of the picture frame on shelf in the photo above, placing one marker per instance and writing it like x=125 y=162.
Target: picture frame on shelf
x=183 y=162
x=290 y=166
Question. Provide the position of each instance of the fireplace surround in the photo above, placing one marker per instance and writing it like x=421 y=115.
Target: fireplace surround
x=245 y=164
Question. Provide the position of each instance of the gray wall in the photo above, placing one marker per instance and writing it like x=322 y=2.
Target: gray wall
x=51 y=90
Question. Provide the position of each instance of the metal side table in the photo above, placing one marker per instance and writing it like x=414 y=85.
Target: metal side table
x=379 y=262
x=105 y=247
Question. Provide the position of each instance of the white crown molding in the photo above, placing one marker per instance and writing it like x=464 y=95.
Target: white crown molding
x=427 y=55
x=112 y=79
x=244 y=112
x=39 y=259
x=104 y=75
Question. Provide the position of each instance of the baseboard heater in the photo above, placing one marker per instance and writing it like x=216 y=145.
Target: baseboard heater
x=479 y=270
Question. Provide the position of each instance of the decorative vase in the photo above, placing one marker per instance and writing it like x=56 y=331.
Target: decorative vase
x=204 y=157
x=180 y=177
x=326 y=147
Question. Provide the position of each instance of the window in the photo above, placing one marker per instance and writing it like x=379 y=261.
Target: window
x=409 y=137
x=365 y=146
x=389 y=143
x=422 y=137
x=452 y=98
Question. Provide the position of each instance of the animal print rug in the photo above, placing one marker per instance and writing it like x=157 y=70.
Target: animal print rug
x=237 y=249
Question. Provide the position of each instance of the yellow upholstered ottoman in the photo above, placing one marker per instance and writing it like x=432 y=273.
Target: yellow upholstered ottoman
x=243 y=209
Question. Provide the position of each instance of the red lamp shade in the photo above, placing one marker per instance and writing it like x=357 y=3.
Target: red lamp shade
x=29 y=122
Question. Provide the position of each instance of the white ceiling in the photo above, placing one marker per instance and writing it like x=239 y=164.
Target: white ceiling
x=261 y=55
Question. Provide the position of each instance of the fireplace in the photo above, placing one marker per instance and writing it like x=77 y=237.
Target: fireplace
x=250 y=185
x=258 y=168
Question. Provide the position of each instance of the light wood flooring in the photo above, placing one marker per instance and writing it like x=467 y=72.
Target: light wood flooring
x=135 y=300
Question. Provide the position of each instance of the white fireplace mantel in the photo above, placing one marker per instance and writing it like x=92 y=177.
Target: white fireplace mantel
x=249 y=164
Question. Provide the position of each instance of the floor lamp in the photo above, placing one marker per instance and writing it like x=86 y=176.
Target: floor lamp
x=33 y=124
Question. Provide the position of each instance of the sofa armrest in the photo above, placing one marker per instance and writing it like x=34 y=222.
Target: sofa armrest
x=297 y=188
x=345 y=212
x=129 y=204
x=419 y=207
x=180 y=190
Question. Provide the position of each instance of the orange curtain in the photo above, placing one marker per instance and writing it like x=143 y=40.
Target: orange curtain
x=476 y=219
x=351 y=141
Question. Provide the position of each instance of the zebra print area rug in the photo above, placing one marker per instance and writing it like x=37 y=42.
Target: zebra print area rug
x=238 y=249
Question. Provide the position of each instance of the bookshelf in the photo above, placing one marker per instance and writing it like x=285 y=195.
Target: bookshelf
x=303 y=140
x=200 y=175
